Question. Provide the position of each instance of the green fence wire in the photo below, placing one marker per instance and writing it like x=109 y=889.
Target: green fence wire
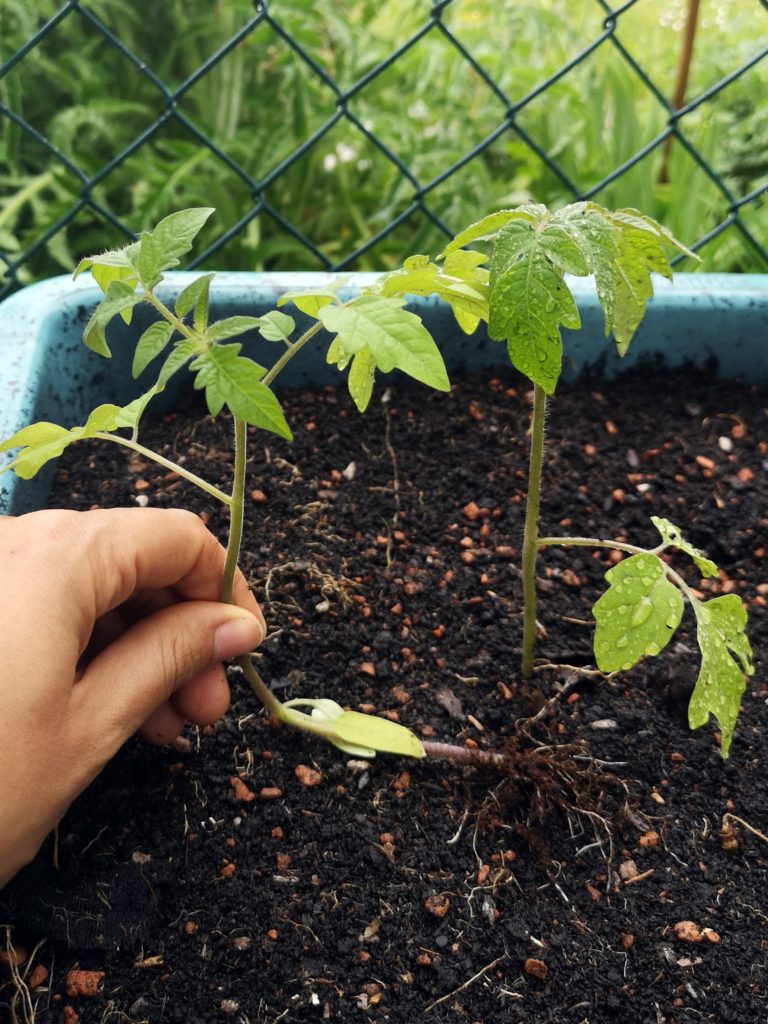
x=342 y=135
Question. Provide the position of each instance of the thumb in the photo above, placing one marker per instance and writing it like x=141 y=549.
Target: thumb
x=131 y=677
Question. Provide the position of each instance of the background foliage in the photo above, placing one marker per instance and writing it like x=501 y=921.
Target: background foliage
x=349 y=133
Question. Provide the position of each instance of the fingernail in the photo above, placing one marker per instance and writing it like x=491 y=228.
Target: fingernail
x=236 y=636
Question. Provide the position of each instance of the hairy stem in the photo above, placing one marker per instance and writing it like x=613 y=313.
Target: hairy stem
x=172 y=319
x=630 y=549
x=596 y=542
x=290 y=352
x=531 y=533
x=193 y=478
x=236 y=510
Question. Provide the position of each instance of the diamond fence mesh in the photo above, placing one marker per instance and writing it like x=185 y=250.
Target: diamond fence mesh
x=346 y=134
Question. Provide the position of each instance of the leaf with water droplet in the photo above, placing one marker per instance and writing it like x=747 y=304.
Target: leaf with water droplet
x=672 y=534
x=726 y=656
x=638 y=613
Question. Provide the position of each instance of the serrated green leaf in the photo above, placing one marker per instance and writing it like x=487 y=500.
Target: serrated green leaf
x=396 y=338
x=276 y=326
x=671 y=534
x=120 y=298
x=177 y=232
x=334 y=356
x=104 y=276
x=161 y=248
x=529 y=303
x=151 y=344
x=312 y=300
x=195 y=296
x=103 y=417
x=231 y=327
x=231 y=379
x=639 y=253
x=720 y=630
x=637 y=615
x=110 y=266
x=129 y=415
x=39 y=443
x=178 y=357
x=360 y=379
x=490 y=226
x=561 y=248
x=587 y=225
x=460 y=282
x=353 y=727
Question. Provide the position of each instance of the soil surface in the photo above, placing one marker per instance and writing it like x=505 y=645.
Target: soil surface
x=617 y=872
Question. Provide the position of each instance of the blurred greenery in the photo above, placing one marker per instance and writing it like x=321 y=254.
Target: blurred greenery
x=392 y=149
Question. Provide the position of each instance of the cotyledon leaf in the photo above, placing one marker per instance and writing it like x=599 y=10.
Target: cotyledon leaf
x=637 y=615
x=361 y=735
x=380 y=733
x=726 y=656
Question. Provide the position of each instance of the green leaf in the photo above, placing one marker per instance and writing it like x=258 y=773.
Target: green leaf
x=396 y=338
x=353 y=727
x=195 y=296
x=116 y=265
x=637 y=615
x=334 y=356
x=460 y=282
x=563 y=250
x=151 y=344
x=589 y=229
x=529 y=303
x=639 y=253
x=361 y=735
x=671 y=534
x=360 y=380
x=490 y=226
x=129 y=415
x=161 y=248
x=102 y=418
x=120 y=298
x=231 y=327
x=276 y=326
x=231 y=379
x=39 y=443
x=720 y=630
x=312 y=300
x=181 y=353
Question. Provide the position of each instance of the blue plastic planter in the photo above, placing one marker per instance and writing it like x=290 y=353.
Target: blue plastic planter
x=47 y=373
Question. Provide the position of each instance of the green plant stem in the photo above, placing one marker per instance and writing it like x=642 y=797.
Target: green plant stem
x=236 y=510
x=193 y=478
x=595 y=542
x=630 y=549
x=530 y=535
x=172 y=319
x=290 y=352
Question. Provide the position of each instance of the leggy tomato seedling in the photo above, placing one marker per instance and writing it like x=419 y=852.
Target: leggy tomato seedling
x=523 y=296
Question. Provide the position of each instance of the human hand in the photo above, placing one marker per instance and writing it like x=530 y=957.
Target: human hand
x=111 y=623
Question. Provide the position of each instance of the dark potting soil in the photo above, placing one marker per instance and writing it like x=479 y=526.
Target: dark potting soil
x=255 y=875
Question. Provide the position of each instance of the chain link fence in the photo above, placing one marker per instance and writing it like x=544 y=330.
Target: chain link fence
x=347 y=134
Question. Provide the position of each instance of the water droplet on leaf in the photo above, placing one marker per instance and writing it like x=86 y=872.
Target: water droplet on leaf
x=642 y=613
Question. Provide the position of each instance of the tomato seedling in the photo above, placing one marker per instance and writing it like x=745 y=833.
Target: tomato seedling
x=523 y=296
